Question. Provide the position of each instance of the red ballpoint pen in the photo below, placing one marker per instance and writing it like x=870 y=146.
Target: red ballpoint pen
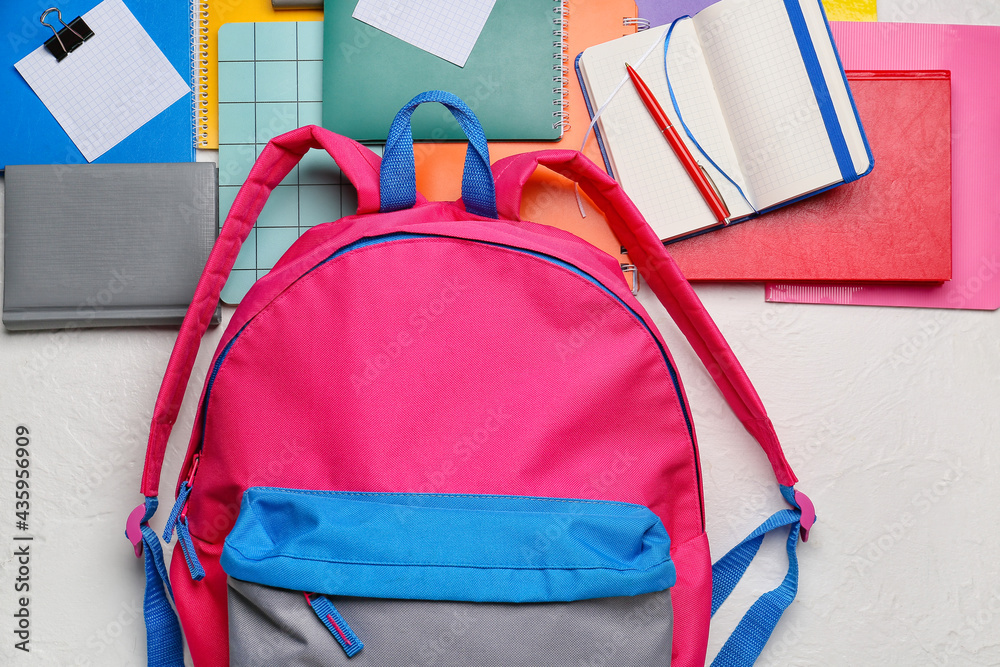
x=691 y=166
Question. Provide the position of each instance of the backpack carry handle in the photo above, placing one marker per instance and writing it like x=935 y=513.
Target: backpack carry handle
x=663 y=276
x=358 y=163
x=398 y=180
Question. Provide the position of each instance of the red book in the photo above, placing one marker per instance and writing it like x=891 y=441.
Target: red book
x=892 y=225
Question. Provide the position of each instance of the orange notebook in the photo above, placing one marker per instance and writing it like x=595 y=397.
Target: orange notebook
x=548 y=197
x=892 y=225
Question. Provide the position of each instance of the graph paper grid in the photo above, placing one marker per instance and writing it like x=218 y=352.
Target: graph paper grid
x=270 y=82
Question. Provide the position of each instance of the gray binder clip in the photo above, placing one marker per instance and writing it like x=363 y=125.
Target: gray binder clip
x=69 y=38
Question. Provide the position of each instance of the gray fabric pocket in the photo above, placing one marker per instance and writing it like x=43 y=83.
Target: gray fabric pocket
x=273 y=626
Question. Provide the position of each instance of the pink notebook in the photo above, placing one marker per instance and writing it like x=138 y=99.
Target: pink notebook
x=972 y=53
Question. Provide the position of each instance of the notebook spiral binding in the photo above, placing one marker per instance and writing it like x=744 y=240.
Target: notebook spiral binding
x=560 y=68
x=199 y=71
x=637 y=23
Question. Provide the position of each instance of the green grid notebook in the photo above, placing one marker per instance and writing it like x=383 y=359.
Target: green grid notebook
x=514 y=79
x=270 y=82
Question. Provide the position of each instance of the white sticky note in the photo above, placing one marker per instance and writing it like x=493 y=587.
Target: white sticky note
x=447 y=28
x=110 y=86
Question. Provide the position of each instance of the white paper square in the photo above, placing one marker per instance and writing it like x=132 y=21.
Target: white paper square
x=447 y=28
x=110 y=86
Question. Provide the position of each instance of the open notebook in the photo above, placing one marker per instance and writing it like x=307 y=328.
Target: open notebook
x=758 y=85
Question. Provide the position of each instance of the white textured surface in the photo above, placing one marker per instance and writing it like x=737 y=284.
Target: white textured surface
x=889 y=418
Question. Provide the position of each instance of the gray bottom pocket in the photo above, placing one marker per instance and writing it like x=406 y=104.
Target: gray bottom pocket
x=273 y=626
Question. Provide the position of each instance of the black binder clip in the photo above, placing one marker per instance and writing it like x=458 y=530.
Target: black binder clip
x=69 y=38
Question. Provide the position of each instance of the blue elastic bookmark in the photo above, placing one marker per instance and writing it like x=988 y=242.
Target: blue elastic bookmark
x=822 y=92
x=687 y=130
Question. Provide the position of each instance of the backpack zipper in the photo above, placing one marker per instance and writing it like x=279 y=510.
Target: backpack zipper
x=387 y=238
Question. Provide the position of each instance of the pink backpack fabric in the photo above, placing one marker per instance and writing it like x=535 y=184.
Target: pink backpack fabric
x=436 y=352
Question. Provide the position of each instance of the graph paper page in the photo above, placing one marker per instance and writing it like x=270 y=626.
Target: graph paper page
x=769 y=103
x=447 y=28
x=641 y=158
x=110 y=86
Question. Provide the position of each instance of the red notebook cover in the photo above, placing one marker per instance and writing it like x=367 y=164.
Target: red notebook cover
x=892 y=225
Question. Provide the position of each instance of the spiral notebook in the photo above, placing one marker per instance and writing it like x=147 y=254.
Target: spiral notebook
x=270 y=77
x=512 y=79
x=210 y=16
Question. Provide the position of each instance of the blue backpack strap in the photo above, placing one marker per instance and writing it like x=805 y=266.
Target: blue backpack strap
x=397 y=175
x=164 y=645
x=748 y=639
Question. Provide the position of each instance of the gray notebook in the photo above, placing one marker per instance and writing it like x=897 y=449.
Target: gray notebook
x=105 y=244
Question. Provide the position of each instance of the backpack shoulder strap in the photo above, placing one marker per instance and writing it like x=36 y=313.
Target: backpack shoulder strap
x=359 y=164
x=675 y=293
x=164 y=646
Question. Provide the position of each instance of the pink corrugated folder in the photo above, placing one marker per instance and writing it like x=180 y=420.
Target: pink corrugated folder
x=972 y=53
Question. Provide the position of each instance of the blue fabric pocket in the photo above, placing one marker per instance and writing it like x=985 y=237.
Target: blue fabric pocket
x=468 y=548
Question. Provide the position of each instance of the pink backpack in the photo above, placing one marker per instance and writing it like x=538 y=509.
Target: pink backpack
x=438 y=434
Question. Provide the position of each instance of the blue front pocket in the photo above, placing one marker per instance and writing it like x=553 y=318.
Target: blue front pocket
x=472 y=548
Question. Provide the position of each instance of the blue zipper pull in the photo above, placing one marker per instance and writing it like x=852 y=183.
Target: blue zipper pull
x=335 y=623
x=177 y=522
x=182 y=498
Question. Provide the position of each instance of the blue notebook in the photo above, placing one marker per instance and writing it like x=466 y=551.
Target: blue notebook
x=758 y=94
x=31 y=135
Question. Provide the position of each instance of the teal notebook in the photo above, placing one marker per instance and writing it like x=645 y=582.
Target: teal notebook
x=270 y=77
x=514 y=79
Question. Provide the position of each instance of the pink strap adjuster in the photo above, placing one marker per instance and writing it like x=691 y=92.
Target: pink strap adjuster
x=133 y=529
x=808 y=514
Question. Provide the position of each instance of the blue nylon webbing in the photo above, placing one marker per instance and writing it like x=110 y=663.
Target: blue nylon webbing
x=175 y=512
x=397 y=176
x=164 y=646
x=755 y=628
x=336 y=624
x=175 y=522
x=187 y=548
